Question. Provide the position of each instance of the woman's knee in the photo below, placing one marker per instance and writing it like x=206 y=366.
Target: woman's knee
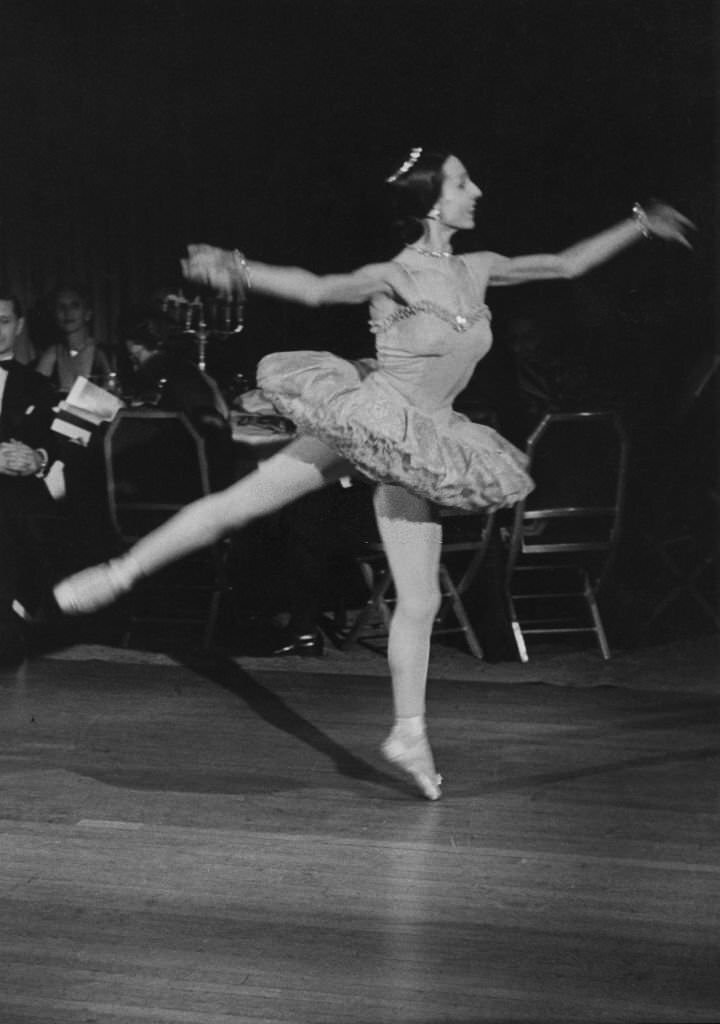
x=276 y=483
x=420 y=605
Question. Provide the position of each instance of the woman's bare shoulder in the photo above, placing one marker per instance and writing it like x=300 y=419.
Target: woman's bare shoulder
x=480 y=262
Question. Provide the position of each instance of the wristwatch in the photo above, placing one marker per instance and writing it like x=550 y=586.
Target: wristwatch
x=44 y=460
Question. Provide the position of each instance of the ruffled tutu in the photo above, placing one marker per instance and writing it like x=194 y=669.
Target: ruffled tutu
x=354 y=408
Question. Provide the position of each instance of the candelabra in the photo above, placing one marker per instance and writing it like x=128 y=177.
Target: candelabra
x=205 y=318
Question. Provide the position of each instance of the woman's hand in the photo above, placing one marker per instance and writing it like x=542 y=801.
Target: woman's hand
x=664 y=221
x=215 y=268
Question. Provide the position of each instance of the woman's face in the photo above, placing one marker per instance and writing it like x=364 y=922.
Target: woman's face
x=138 y=353
x=71 y=313
x=458 y=196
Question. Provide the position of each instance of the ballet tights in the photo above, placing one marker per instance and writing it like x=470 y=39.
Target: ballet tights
x=410 y=533
x=305 y=465
x=412 y=538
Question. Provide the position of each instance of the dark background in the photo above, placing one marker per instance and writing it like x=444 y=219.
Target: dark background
x=130 y=129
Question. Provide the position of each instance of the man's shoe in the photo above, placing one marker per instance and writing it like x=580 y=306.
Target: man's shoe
x=307 y=645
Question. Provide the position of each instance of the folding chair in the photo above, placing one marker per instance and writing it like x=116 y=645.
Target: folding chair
x=563 y=536
x=466 y=536
x=156 y=464
x=689 y=555
x=681 y=532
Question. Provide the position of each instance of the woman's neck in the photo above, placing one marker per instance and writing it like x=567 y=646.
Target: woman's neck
x=76 y=341
x=436 y=238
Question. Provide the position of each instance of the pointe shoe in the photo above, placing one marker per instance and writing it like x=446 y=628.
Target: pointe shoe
x=414 y=756
x=91 y=589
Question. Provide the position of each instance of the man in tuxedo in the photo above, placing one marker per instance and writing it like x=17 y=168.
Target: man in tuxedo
x=26 y=451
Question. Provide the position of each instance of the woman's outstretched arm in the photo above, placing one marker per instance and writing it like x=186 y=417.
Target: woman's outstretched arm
x=230 y=273
x=659 y=221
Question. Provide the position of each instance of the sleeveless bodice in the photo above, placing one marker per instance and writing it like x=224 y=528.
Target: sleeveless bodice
x=392 y=416
x=429 y=348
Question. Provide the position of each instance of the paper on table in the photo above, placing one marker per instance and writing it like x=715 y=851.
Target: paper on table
x=86 y=407
x=90 y=402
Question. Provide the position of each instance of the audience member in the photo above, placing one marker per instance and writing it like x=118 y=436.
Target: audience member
x=305 y=559
x=26 y=450
x=164 y=376
x=76 y=353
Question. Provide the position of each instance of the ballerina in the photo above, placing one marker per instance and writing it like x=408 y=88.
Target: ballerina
x=390 y=418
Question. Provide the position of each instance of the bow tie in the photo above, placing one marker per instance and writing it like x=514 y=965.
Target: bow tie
x=8 y=364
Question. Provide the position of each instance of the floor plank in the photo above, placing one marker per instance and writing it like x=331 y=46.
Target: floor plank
x=206 y=842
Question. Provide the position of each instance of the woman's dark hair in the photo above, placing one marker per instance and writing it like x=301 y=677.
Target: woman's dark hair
x=415 y=191
x=7 y=296
x=72 y=288
x=147 y=332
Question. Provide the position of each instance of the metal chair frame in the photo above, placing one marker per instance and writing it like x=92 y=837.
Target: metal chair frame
x=377 y=576
x=119 y=507
x=682 y=537
x=560 y=544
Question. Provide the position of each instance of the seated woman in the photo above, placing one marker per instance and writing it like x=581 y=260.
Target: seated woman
x=165 y=376
x=76 y=353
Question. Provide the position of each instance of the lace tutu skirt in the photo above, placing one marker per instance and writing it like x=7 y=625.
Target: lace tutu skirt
x=353 y=407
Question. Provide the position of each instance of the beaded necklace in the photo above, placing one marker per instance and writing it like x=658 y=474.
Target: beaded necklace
x=438 y=254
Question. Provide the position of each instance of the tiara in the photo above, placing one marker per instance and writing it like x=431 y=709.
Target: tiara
x=412 y=159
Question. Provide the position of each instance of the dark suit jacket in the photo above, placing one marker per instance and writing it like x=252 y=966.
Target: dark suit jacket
x=27 y=410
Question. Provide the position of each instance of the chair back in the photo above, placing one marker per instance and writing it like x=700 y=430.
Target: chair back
x=464 y=531
x=579 y=464
x=565 y=533
x=155 y=464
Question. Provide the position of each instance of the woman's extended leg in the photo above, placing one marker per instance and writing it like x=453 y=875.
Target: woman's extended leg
x=412 y=538
x=305 y=465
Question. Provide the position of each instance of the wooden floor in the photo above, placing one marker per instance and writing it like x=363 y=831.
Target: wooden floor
x=207 y=843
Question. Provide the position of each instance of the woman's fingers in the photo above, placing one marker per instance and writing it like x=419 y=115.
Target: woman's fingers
x=680 y=218
x=685 y=220
x=670 y=215
x=208 y=265
x=667 y=222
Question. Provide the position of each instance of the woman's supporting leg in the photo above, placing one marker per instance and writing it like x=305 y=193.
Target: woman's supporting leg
x=305 y=465
x=412 y=538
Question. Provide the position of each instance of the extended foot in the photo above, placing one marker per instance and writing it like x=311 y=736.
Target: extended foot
x=414 y=756
x=93 y=588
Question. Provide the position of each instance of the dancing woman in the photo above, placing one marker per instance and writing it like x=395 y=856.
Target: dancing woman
x=392 y=418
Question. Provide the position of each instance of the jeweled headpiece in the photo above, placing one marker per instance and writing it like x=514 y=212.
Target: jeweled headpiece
x=412 y=159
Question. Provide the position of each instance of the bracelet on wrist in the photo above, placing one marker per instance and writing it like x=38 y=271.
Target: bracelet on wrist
x=640 y=219
x=243 y=268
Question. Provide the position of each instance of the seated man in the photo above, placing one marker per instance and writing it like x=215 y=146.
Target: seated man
x=26 y=450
